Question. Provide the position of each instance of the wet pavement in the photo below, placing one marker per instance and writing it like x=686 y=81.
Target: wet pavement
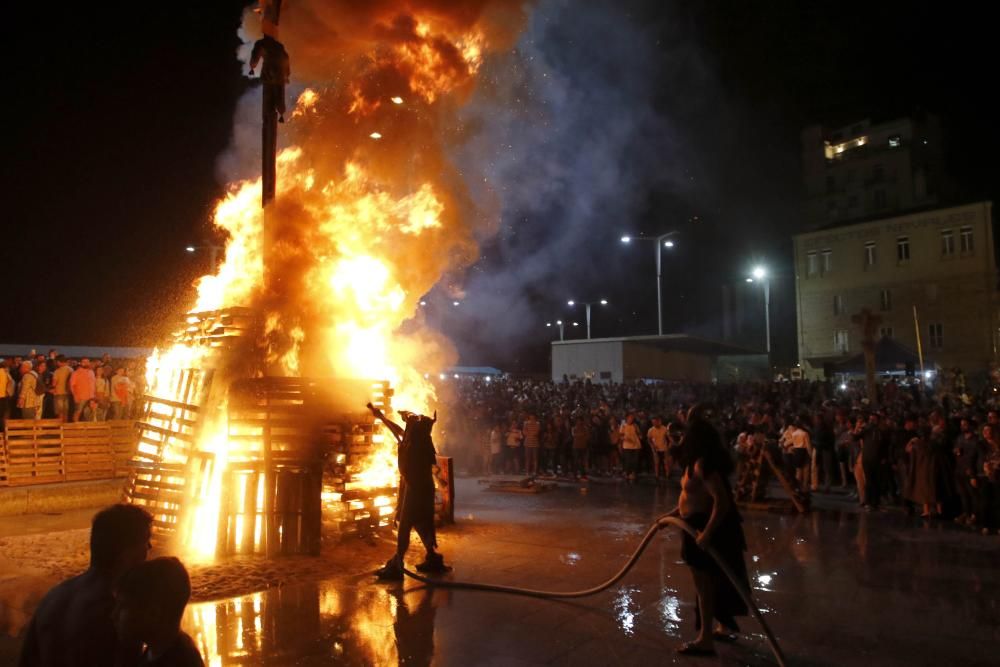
x=838 y=588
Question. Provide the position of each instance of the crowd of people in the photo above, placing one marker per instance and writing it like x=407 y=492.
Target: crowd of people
x=931 y=448
x=53 y=386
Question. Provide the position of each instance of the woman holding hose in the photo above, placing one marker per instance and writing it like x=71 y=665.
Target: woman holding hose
x=706 y=503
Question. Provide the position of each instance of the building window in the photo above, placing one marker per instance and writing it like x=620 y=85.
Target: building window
x=870 y=255
x=947 y=242
x=895 y=141
x=878 y=199
x=838 y=304
x=968 y=243
x=812 y=263
x=936 y=335
x=840 y=341
x=902 y=248
x=886 y=332
x=885 y=300
x=878 y=174
x=827 y=260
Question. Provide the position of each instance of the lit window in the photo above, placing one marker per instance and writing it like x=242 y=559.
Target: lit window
x=870 y=255
x=903 y=249
x=886 y=332
x=885 y=300
x=827 y=260
x=968 y=243
x=838 y=304
x=812 y=263
x=936 y=335
x=947 y=242
x=840 y=341
x=895 y=141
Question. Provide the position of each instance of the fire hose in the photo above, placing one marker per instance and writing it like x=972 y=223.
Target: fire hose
x=658 y=525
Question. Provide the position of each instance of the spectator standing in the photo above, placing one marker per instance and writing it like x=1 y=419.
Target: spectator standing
x=532 y=431
x=631 y=445
x=44 y=390
x=60 y=388
x=581 y=439
x=799 y=454
x=989 y=481
x=83 y=385
x=102 y=389
x=513 y=449
x=657 y=436
x=615 y=442
x=550 y=445
x=7 y=386
x=823 y=452
x=121 y=394
x=968 y=461
x=496 y=449
x=28 y=400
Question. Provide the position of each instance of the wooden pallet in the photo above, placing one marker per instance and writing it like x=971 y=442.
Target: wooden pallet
x=3 y=461
x=34 y=451
x=87 y=452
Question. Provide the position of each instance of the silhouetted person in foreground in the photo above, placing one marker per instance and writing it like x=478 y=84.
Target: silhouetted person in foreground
x=72 y=626
x=150 y=602
x=416 y=492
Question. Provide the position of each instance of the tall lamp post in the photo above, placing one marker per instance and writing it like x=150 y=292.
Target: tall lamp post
x=759 y=274
x=588 y=304
x=662 y=241
x=562 y=327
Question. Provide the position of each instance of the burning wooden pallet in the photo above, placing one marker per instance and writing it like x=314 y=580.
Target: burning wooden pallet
x=289 y=453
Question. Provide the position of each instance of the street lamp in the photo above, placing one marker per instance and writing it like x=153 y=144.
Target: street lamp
x=662 y=241
x=213 y=251
x=588 y=304
x=562 y=327
x=759 y=274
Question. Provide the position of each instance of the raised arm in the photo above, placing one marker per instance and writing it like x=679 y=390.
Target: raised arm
x=396 y=429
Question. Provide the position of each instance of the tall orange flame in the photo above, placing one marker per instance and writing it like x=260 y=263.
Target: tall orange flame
x=361 y=228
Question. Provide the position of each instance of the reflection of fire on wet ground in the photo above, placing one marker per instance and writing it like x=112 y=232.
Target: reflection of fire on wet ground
x=347 y=624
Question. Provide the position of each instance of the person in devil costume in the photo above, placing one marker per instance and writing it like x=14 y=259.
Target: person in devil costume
x=415 y=509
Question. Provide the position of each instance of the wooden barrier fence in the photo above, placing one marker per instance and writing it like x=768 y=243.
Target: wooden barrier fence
x=42 y=451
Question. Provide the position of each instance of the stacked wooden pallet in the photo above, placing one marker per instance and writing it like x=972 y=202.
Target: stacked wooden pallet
x=164 y=457
x=87 y=451
x=45 y=451
x=217 y=328
x=34 y=451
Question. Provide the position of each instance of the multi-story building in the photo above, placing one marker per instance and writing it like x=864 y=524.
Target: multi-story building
x=934 y=267
x=865 y=170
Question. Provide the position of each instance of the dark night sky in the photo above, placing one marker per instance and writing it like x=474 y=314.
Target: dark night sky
x=118 y=117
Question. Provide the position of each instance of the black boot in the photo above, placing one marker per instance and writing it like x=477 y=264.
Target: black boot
x=434 y=563
x=391 y=571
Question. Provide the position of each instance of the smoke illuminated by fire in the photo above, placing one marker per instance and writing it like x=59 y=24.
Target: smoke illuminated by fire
x=360 y=228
